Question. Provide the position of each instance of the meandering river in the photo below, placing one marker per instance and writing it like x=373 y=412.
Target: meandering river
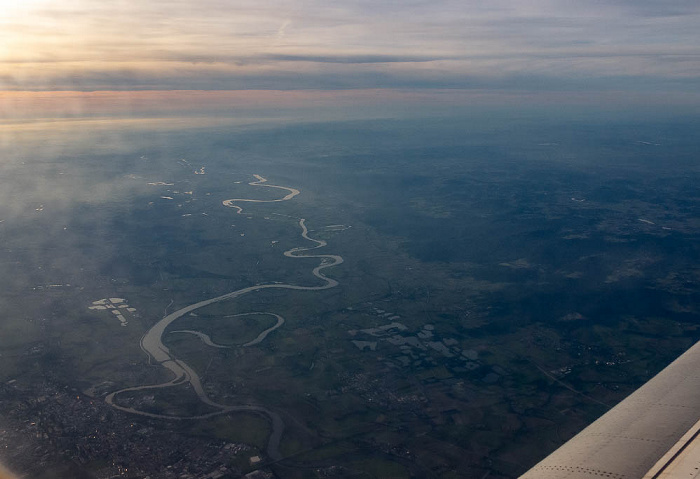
x=152 y=341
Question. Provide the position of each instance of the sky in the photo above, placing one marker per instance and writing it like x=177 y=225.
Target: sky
x=225 y=52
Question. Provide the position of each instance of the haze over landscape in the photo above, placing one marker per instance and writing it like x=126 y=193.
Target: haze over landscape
x=352 y=239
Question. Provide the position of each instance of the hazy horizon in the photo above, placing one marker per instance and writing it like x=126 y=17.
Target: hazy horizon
x=376 y=57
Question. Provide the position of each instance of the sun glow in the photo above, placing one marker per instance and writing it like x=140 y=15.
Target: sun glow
x=17 y=25
x=12 y=10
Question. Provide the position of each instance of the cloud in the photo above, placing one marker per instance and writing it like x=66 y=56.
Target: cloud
x=352 y=58
x=357 y=44
x=653 y=8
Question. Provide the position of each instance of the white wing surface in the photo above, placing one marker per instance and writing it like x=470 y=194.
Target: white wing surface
x=652 y=434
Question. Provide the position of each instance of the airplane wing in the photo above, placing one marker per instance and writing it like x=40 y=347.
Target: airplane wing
x=652 y=434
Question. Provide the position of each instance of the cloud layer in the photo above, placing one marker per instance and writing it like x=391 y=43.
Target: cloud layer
x=539 y=45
